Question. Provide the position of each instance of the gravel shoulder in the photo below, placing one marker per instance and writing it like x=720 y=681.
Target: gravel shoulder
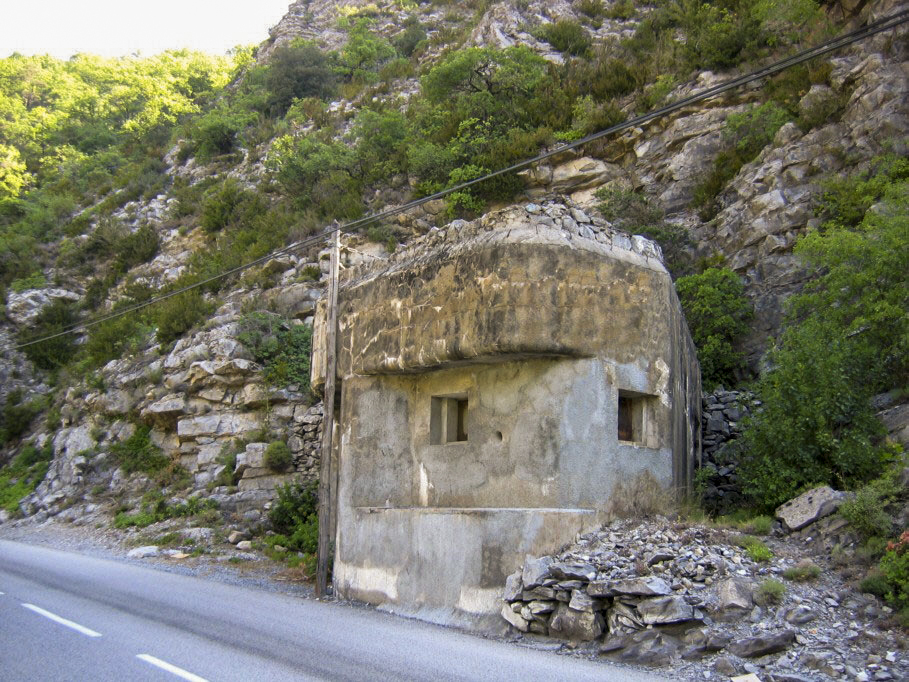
x=106 y=543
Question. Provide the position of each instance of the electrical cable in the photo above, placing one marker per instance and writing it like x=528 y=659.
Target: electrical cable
x=844 y=40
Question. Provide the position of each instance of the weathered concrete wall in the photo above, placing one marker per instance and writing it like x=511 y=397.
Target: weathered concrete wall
x=445 y=565
x=542 y=433
x=539 y=328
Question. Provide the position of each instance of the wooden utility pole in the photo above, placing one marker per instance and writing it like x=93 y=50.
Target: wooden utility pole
x=326 y=490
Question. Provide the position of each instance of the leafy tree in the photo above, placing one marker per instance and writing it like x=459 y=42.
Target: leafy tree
x=297 y=71
x=483 y=108
x=216 y=131
x=365 y=52
x=718 y=313
x=848 y=338
x=53 y=319
x=381 y=143
x=309 y=169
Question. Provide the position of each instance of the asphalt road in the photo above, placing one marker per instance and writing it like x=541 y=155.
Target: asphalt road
x=66 y=616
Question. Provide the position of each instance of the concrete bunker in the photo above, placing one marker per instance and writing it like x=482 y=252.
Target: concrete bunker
x=498 y=379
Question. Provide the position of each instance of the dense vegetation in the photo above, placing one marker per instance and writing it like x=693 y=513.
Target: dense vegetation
x=22 y=475
x=847 y=339
x=88 y=135
x=717 y=312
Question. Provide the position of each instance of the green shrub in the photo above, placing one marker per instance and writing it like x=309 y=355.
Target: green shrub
x=566 y=35
x=114 y=338
x=17 y=415
x=141 y=520
x=626 y=209
x=589 y=116
x=816 y=425
x=381 y=144
x=483 y=108
x=135 y=248
x=297 y=71
x=620 y=9
x=215 y=132
x=295 y=515
x=22 y=475
x=593 y=9
x=138 y=453
x=53 y=319
x=894 y=569
x=318 y=175
x=34 y=281
x=176 y=315
x=278 y=456
x=866 y=512
x=635 y=213
x=755 y=549
x=311 y=273
x=227 y=204
x=281 y=347
x=718 y=313
x=410 y=39
x=746 y=135
x=769 y=593
x=804 y=571
x=155 y=509
x=364 y=53
x=875 y=583
x=760 y=525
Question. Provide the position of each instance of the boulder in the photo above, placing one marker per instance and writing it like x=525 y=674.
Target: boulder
x=535 y=571
x=581 y=601
x=653 y=648
x=513 y=587
x=809 y=507
x=664 y=610
x=762 y=645
x=700 y=642
x=896 y=421
x=538 y=593
x=799 y=615
x=143 y=552
x=623 y=618
x=565 y=571
x=650 y=586
x=237 y=536
x=734 y=599
x=515 y=619
x=584 y=626
x=649 y=647
x=70 y=442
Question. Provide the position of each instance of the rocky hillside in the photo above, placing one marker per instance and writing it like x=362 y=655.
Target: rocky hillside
x=348 y=109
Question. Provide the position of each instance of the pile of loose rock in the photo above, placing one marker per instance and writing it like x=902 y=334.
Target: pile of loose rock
x=721 y=425
x=658 y=593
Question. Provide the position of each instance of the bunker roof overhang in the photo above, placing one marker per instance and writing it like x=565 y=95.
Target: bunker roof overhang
x=511 y=285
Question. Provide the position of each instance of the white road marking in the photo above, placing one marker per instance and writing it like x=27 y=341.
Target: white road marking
x=63 y=621
x=164 y=665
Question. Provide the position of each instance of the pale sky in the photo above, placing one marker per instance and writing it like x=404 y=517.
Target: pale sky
x=121 y=27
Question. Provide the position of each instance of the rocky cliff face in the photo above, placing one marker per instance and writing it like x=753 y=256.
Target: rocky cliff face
x=207 y=391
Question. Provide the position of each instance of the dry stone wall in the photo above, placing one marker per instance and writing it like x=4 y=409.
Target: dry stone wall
x=721 y=426
x=660 y=593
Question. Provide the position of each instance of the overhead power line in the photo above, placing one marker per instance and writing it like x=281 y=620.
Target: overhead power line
x=844 y=40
